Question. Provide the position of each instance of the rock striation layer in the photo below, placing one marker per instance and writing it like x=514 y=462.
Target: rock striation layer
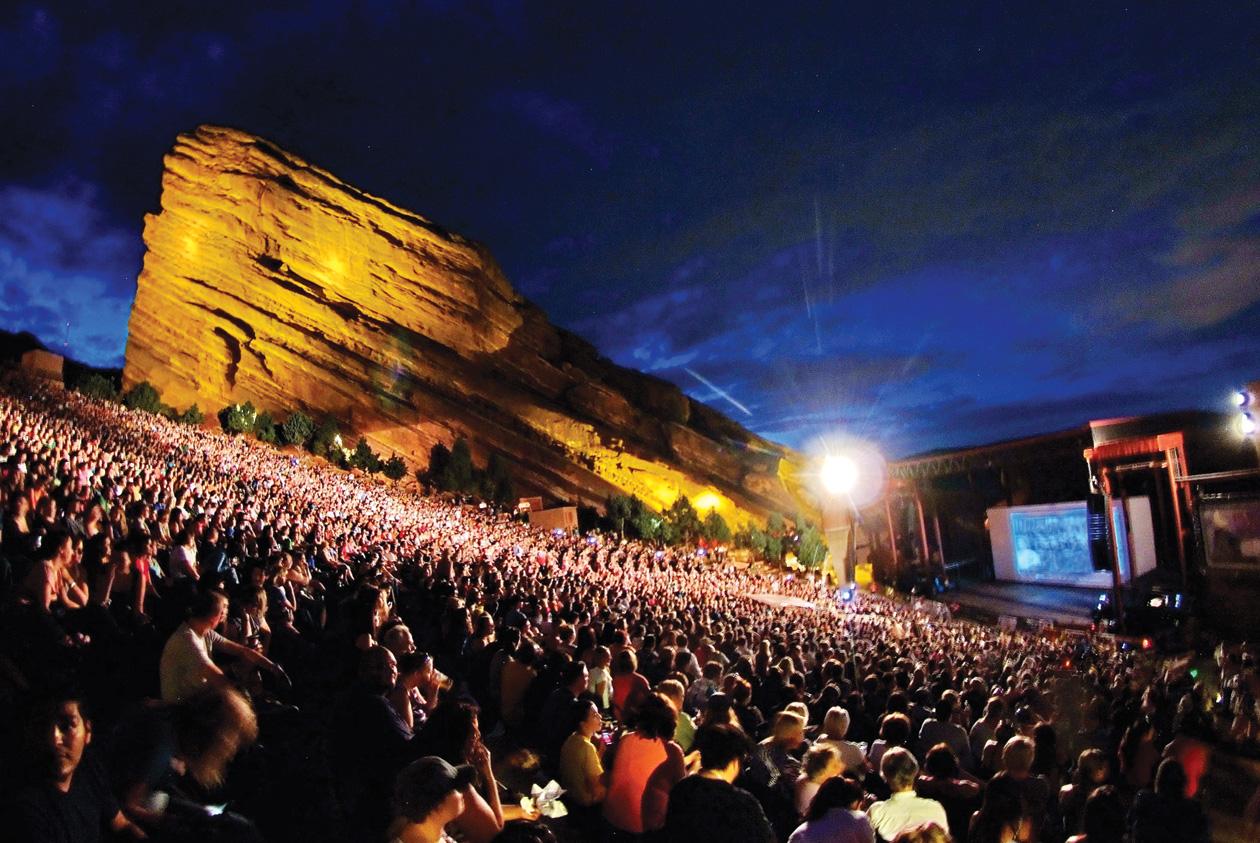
x=270 y=280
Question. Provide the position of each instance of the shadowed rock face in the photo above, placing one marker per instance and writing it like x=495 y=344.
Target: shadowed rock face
x=267 y=279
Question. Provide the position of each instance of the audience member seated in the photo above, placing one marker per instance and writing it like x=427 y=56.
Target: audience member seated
x=187 y=665
x=707 y=805
x=453 y=733
x=428 y=795
x=168 y=760
x=369 y=741
x=66 y=797
x=581 y=772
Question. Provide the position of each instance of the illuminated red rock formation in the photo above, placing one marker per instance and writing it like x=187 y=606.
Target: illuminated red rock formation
x=270 y=280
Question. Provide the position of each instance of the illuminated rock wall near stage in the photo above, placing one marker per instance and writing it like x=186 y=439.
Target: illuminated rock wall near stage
x=267 y=279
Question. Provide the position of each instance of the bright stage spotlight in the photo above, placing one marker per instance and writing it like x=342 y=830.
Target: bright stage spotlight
x=1241 y=398
x=1246 y=425
x=839 y=474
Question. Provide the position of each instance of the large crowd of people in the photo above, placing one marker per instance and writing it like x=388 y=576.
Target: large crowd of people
x=207 y=638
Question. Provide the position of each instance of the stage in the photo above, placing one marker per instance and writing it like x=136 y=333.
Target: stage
x=1060 y=605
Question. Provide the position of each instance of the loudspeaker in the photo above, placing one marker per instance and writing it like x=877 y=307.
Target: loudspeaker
x=1096 y=527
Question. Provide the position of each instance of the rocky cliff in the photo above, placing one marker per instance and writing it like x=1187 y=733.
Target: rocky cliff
x=270 y=280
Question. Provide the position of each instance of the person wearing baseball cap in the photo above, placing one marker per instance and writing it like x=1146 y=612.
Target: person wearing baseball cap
x=428 y=794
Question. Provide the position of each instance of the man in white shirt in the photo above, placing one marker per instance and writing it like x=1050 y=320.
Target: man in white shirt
x=903 y=809
x=187 y=665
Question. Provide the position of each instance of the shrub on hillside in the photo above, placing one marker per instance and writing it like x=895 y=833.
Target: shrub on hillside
x=297 y=429
x=364 y=458
x=143 y=396
x=192 y=415
x=238 y=418
x=96 y=385
x=395 y=468
x=326 y=440
x=265 y=428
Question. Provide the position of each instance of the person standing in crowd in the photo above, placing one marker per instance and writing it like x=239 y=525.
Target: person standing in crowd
x=822 y=762
x=941 y=728
x=1017 y=758
x=1091 y=773
x=894 y=732
x=642 y=768
x=835 y=730
x=774 y=768
x=1165 y=814
x=942 y=780
x=986 y=728
x=1103 y=819
x=1003 y=816
x=834 y=815
x=707 y=805
x=629 y=687
x=903 y=809
x=553 y=723
x=163 y=760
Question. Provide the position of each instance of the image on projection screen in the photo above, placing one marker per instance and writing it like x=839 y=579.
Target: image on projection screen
x=1049 y=543
x=1054 y=546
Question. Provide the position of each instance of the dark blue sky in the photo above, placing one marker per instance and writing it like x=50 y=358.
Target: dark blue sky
x=928 y=224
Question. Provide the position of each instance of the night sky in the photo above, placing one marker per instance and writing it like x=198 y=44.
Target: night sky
x=928 y=224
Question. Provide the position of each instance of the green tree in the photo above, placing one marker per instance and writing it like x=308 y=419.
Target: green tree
x=715 y=527
x=439 y=459
x=621 y=510
x=364 y=458
x=143 y=396
x=192 y=416
x=265 y=428
x=497 y=486
x=326 y=440
x=811 y=549
x=297 y=429
x=238 y=418
x=459 y=475
x=775 y=525
x=96 y=385
x=648 y=525
x=395 y=468
x=683 y=521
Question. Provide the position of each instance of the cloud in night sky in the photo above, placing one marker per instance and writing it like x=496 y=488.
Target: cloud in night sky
x=929 y=226
x=67 y=275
